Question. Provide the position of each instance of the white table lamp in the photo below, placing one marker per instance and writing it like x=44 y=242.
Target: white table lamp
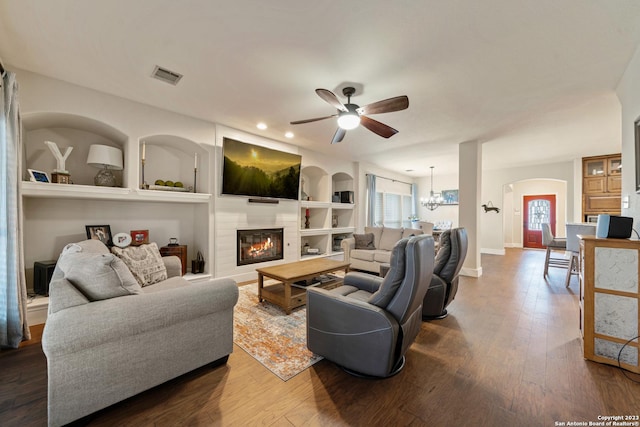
x=107 y=158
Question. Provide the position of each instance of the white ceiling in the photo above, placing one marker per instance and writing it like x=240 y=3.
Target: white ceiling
x=534 y=80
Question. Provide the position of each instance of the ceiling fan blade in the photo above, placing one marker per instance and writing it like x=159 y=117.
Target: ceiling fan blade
x=330 y=98
x=377 y=127
x=386 y=106
x=299 y=122
x=338 y=136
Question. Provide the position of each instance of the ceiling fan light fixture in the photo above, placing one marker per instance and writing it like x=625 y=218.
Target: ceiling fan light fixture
x=348 y=120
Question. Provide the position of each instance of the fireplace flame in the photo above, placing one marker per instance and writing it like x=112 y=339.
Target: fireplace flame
x=259 y=249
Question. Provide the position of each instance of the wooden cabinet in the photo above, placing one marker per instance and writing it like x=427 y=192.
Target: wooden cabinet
x=176 y=250
x=609 y=298
x=601 y=185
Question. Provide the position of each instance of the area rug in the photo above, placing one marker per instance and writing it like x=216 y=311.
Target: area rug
x=277 y=340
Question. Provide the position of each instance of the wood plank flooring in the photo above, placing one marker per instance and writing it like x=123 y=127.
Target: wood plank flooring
x=509 y=354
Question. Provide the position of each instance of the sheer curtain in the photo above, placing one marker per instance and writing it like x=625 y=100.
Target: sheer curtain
x=371 y=200
x=13 y=289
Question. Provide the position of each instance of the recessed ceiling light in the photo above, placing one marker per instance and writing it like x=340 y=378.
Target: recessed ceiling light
x=289 y=134
x=261 y=126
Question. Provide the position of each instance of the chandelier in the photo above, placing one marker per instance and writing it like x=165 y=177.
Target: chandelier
x=434 y=200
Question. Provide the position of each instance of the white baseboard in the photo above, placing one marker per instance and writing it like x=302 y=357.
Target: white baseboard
x=471 y=272
x=491 y=251
x=513 y=245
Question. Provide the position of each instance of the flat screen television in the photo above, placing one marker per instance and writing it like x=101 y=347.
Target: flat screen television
x=255 y=171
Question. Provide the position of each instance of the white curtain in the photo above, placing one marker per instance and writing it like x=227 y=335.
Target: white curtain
x=371 y=200
x=13 y=289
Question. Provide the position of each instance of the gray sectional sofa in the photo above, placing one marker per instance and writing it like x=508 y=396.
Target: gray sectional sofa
x=370 y=257
x=107 y=342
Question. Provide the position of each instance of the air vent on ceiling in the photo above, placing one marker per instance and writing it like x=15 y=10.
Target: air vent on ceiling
x=165 y=75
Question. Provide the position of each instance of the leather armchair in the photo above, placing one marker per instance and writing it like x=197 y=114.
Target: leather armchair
x=444 y=282
x=367 y=325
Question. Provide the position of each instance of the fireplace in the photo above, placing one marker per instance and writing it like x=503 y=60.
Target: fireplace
x=259 y=245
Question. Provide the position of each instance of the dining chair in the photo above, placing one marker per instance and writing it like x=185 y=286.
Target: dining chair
x=553 y=244
x=573 y=247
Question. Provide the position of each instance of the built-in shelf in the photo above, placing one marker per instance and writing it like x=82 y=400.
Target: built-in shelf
x=328 y=220
x=314 y=204
x=169 y=196
x=72 y=191
x=350 y=206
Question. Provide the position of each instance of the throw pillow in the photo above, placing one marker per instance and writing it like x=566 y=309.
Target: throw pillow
x=98 y=276
x=144 y=261
x=364 y=241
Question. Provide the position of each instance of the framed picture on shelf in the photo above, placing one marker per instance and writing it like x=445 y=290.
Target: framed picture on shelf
x=449 y=197
x=139 y=237
x=99 y=232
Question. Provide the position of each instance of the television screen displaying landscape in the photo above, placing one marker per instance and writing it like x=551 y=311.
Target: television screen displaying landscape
x=252 y=170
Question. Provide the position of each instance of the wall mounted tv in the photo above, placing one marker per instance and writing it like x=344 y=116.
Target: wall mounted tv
x=255 y=171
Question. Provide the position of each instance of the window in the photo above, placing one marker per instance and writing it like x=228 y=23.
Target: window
x=394 y=204
x=539 y=213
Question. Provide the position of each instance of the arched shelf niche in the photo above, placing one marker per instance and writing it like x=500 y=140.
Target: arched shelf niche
x=69 y=130
x=174 y=158
x=315 y=183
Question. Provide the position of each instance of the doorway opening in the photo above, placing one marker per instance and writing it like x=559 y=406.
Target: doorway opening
x=537 y=210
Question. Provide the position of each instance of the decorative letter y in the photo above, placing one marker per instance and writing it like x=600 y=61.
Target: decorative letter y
x=58 y=155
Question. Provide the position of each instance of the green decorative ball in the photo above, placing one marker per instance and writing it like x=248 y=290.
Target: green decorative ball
x=168 y=183
x=159 y=182
x=178 y=184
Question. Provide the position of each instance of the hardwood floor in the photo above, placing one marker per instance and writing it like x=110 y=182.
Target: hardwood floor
x=509 y=354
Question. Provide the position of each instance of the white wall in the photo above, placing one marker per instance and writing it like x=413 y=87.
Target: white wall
x=208 y=227
x=629 y=94
x=494 y=237
x=513 y=217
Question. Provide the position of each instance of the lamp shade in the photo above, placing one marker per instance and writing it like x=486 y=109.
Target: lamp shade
x=106 y=157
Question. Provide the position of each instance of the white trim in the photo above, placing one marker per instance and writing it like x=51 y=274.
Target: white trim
x=471 y=272
x=491 y=251
x=513 y=245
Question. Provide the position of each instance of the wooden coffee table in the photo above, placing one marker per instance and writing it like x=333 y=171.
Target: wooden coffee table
x=289 y=297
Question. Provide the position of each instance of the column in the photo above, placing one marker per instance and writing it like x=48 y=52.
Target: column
x=470 y=193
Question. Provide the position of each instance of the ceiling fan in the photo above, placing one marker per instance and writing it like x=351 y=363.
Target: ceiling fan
x=351 y=115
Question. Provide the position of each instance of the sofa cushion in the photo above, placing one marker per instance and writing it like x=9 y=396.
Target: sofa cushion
x=382 y=256
x=170 y=283
x=98 y=276
x=377 y=232
x=409 y=232
x=389 y=238
x=144 y=261
x=362 y=254
x=364 y=241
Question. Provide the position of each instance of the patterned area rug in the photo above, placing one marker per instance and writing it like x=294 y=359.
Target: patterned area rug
x=276 y=340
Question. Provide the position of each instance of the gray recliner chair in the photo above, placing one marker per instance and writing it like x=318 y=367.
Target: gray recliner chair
x=367 y=325
x=444 y=282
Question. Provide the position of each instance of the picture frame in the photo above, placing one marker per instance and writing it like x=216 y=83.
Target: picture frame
x=38 y=176
x=100 y=232
x=450 y=197
x=636 y=131
x=139 y=237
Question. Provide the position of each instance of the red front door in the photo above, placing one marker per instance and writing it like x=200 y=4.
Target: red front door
x=536 y=211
